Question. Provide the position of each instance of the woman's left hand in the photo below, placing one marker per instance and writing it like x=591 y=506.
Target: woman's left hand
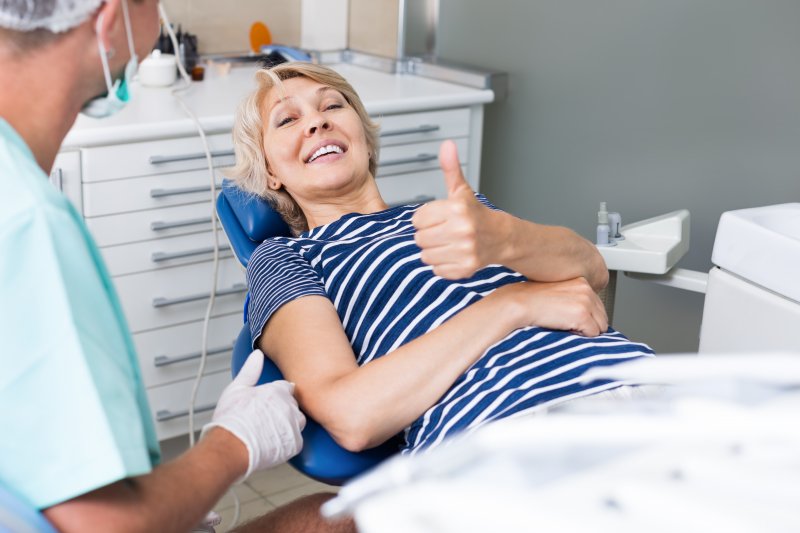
x=458 y=236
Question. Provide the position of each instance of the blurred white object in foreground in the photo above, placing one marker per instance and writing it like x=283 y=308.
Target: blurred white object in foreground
x=717 y=449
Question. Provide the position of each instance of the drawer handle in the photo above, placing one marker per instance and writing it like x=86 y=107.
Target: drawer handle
x=157 y=257
x=421 y=158
x=57 y=179
x=163 y=360
x=415 y=200
x=162 y=415
x=161 y=159
x=158 y=226
x=425 y=128
x=166 y=302
x=161 y=193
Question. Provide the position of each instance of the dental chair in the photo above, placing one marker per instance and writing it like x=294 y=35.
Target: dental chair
x=18 y=516
x=248 y=221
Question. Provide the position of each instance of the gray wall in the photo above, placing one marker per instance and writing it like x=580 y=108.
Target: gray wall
x=650 y=105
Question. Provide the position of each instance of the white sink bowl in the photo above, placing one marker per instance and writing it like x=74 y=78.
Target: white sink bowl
x=762 y=245
x=651 y=246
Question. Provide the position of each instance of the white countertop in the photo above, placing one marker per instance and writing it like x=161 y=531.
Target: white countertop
x=153 y=112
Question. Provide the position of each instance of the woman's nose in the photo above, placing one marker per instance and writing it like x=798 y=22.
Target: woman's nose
x=318 y=123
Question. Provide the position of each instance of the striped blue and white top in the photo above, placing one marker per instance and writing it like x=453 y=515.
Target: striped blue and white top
x=370 y=268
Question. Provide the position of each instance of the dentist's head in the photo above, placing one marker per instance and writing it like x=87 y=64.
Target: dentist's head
x=59 y=57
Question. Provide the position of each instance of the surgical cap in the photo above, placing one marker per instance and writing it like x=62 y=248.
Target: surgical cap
x=54 y=15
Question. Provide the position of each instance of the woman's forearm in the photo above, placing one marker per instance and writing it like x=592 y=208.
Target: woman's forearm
x=547 y=253
x=406 y=382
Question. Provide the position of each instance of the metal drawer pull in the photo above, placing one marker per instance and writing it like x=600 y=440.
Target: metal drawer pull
x=158 y=226
x=165 y=302
x=57 y=178
x=421 y=158
x=161 y=193
x=157 y=257
x=161 y=159
x=417 y=200
x=163 y=360
x=162 y=415
x=425 y=128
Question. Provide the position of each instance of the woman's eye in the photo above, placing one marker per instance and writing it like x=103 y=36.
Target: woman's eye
x=333 y=106
x=284 y=121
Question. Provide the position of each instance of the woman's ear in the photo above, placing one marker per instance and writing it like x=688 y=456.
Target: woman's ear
x=272 y=180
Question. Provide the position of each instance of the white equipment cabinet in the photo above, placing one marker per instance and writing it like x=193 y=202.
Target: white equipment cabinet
x=140 y=181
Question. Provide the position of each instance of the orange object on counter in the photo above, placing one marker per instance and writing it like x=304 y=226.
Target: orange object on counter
x=198 y=73
x=259 y=36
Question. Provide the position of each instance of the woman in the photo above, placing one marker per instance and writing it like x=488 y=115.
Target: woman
x=425 y=319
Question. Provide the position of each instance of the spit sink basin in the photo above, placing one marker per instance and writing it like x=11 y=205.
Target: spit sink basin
x=762 y=245
x=651 y=246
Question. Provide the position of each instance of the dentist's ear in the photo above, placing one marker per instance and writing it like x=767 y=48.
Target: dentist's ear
x=107 y=16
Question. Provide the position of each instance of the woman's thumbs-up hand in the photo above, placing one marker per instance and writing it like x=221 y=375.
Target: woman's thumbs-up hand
x=457 y=235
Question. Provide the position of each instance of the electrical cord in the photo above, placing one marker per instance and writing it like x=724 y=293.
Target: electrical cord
x=176 y=92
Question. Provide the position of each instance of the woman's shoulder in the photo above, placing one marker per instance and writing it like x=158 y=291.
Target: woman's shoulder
x=274 y=249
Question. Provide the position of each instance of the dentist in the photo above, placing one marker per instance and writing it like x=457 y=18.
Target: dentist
x=77 y=439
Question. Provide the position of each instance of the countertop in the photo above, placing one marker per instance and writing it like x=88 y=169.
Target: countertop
x=154 y=113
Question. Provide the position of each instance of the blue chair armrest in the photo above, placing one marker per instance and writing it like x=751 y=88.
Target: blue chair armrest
x=321 y=457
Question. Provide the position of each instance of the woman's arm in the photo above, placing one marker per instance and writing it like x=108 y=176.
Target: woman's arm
x=364 y=406
x=459 y=236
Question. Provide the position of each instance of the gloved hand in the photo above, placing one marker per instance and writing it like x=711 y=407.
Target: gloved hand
x=264 y=417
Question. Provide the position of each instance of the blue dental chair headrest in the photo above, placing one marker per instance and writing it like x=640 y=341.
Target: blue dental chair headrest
x=248 y=220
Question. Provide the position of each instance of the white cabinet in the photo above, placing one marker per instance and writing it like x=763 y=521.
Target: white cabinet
x=148 y=205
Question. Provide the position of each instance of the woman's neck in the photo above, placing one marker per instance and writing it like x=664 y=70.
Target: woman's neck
x=365 y=200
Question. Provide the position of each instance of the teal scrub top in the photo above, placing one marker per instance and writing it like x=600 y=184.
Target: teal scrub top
x=73 y=410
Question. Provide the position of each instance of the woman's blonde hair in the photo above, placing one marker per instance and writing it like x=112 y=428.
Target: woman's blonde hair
x=250 y=172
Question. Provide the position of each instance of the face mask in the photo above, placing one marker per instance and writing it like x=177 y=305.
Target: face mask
x=118 y=94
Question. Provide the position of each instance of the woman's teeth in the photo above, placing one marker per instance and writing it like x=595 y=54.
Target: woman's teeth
x=331 y=148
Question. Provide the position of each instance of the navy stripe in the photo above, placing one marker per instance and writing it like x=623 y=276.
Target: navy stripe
x=370 y=268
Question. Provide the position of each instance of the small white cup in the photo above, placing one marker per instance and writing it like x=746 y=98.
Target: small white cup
x=158 y=70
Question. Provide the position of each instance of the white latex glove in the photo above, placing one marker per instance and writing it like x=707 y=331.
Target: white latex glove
x=264 y=417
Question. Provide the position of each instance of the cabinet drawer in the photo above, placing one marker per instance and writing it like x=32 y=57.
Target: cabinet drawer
x=169 y=404
x=413 y=188
x=427 y=126
x=416 y=157
x=150 y=192
x=154 y=157
x=164 y=253
x=151 y=224
x=172 y=354
x=178 y=295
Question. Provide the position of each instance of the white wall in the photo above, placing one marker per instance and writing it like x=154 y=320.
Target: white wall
x=650 y=105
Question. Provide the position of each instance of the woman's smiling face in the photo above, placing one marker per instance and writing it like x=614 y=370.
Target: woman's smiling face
x=314 y=141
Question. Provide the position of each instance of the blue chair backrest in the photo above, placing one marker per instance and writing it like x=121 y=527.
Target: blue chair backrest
x=18 y=516
x=248 y=221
